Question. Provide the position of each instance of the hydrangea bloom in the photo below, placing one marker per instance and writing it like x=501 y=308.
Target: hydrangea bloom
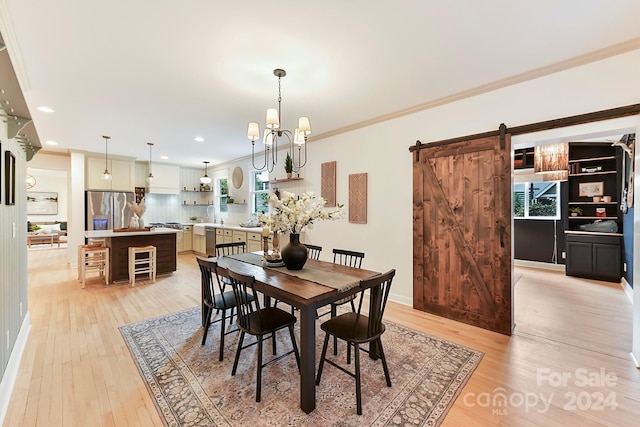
x=291 y=213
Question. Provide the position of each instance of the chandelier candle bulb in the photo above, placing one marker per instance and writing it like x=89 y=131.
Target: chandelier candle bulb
x=272 y=122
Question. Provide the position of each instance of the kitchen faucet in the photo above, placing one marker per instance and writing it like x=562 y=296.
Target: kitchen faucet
x=214 y=212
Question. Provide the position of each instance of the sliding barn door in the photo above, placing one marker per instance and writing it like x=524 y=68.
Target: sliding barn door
x=462 y=232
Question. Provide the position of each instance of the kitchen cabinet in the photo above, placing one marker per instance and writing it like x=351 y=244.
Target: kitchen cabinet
x=200 y=244
x=187 y=238
x=239 y=236
x=166 y=179
x=594 y=256
x=254 y=241
x=224 y=235
x=122 y=174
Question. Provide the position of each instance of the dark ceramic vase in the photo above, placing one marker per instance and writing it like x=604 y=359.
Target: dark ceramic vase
x=294 y=254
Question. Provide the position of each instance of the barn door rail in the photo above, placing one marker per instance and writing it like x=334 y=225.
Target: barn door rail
x=613 y=113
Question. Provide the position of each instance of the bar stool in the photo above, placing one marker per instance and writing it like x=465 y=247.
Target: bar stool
x=92 y=258
x=142 y=265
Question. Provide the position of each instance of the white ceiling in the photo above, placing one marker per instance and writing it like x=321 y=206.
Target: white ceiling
x=168 y=71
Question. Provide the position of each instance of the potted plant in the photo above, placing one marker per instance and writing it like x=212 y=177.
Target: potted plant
x=575 y=210
x=288 y=165
x=193 y=218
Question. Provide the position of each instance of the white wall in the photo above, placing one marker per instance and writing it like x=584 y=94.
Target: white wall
x=381 y=150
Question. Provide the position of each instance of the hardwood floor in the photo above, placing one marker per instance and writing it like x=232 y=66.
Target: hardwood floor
x=77 y=370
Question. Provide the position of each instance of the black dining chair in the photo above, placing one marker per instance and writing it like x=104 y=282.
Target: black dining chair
x=356 y=329
x=351 y=259
x=215 y=298
x=233 y=248
x=346 y=257
x=259 y=322
x=314 y=251
x=226 y=249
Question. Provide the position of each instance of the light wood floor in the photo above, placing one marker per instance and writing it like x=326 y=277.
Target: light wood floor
x=77 y=371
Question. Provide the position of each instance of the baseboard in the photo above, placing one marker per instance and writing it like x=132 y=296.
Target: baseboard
x=11 y=373
x=408 y=301
x=538 y=264
x=627 y=289
x=635 y=361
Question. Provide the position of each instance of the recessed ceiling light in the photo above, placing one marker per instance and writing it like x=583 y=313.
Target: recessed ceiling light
x=198 y=139
x=164 y=157
x=51 y=143
x=45 y=109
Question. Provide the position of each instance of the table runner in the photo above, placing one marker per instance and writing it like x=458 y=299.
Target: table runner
x=340 y=281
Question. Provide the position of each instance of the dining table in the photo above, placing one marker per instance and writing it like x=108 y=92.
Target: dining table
x=318 y=283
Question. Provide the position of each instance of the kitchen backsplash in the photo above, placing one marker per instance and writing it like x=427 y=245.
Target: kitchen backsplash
x=169 y=208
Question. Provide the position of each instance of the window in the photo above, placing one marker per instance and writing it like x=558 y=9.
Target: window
x=221 y=194
x=536 y=200
x=259 y=192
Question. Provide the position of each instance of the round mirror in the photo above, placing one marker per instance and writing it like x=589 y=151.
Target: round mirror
x=236 y=177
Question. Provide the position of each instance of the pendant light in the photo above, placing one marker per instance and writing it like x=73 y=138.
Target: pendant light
x=551 y=158
x=205 y=178
x=106 y=175
x=150 y=176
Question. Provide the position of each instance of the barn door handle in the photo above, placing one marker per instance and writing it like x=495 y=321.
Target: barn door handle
x=501 y=228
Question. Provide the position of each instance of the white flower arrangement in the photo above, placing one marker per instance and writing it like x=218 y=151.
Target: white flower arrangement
x=291 y=213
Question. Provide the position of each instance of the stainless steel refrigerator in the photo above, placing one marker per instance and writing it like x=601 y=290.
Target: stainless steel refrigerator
x=108 y=210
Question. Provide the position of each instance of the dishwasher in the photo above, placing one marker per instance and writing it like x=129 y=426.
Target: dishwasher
x=210 y=235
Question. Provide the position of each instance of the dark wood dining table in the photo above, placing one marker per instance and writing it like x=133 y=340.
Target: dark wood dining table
x=305 y=295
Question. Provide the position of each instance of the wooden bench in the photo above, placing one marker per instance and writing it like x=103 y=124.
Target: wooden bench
x=50 y=238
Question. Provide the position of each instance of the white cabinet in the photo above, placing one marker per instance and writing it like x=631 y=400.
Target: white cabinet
x=254 y=241
x=186 y=244
x=238 y=236
x=93 y=178
x=166 y=179
x=122 y=174
x=187 y=240
x=200 y=244
x=224 y=235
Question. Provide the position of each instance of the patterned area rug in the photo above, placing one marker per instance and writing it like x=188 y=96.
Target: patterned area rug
x=192 y=388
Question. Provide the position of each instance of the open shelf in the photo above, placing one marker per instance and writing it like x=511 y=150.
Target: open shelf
x=278 y=181
x=592 y=159
x=593 y=203
x=593 y=173
x=593 y=217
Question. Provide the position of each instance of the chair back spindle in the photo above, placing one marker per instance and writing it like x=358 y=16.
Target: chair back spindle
x=314 y=251
x=233 y=248
x=349 y=258
x=244 y=285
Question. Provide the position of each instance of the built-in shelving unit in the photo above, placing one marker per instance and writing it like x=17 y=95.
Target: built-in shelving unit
x=593 y=175
x=523 y=158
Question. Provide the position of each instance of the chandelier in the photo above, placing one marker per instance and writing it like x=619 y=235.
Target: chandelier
x=297 y=139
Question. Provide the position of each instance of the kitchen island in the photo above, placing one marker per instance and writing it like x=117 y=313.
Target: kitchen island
x=118 y=242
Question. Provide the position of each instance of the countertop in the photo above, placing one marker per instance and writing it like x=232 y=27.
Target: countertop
x=98 y=234
x=199 y=227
